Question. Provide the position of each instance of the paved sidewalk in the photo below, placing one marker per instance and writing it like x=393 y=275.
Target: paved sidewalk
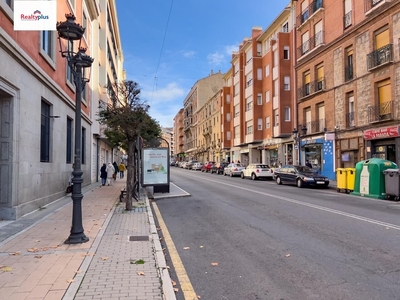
x=123 y=258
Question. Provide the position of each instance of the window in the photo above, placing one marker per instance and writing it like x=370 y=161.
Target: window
x=266 y=70
x=306 y=87
x=286 y=52
x=236 y=89
x=276 y=117
x=259 y=49
x=83 y=153
x=237 y=110
x=259 y=127
x=259 y=99
x=249 y=80
x=259 y=74
x=350 y=107
x=286 y=83
x=276 y=58
x=320 y=77
x=305 y=43
x=382 y=39
x=228 y=117
x=249 y=127
x=48 y=43
x=287 y=114
x=69 y=141
x=304 y=11
x=267 y=122
x=10 y=3
x=318 y=38
x=384 y=98
x=72 y=2
x=237 y=132
x=276 y=88
x=249 y=104
x=249 y=55
x=84 y=24
x=70 y=76
x=45 y=132
x=267 y=97
x=228 y=99
x=285 y=27
x=349 y=65
x=347 y=13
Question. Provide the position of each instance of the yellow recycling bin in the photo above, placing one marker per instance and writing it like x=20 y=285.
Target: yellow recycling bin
x=351 y=178
x=341 y=178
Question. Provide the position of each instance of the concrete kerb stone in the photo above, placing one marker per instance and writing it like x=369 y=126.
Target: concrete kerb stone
x=74 y=286
x=167 y=288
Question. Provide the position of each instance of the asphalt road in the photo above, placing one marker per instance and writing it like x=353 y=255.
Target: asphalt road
x=282 y=242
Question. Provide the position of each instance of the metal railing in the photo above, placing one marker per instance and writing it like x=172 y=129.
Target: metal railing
x=348 y=73
x=316 y=40
x=350 y=120
x=381 y=112
x=380 y=57
x=315 y=126
x=312 y=8
x=311 y=88
x=370 y=4
x=347 y=20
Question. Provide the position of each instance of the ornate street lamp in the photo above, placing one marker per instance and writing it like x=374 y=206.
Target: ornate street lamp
x=78 y=62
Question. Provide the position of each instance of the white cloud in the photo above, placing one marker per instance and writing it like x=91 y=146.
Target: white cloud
x=231 y=48
x=168 y=93
x=189 y=54
x=215 y=59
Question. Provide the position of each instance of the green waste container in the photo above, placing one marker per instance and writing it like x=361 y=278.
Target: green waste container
x=369 y=179
x=341 y=178
x=351 y=177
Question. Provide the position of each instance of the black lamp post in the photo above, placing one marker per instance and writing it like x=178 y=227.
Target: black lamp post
x=77 y=62
x=297 y=140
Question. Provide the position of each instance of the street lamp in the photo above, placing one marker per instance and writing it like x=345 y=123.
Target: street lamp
x=78 y=62
x=297 y=140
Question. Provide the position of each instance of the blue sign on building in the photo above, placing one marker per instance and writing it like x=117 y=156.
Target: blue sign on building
x=323 y=151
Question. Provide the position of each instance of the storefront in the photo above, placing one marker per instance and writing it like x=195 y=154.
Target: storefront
x=320 y=153
x=271 y=156
x=383 y=143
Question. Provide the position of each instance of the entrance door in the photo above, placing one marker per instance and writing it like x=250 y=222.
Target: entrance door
x=5 y=150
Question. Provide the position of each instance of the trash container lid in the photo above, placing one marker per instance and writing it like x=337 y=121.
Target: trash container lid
x=390 y=171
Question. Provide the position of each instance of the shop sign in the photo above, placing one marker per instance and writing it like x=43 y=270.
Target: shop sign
x=381 y=133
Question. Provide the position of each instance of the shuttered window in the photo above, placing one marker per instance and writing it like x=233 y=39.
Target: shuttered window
x=382 y=39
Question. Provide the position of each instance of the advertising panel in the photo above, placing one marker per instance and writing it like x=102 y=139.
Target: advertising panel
x=155 y=166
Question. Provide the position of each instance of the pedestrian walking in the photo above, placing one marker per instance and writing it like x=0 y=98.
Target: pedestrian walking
x=110 y=173
x=116 y=170
x=121 y=169
x=103 y=174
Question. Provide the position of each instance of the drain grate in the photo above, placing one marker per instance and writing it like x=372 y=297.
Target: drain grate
x=138 y=238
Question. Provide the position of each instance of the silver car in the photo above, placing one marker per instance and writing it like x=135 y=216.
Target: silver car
x=197 y=166
x=234 y=169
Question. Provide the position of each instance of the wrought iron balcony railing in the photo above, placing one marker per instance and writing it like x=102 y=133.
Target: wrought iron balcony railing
x=380 y=57
x=347 y=20
x=382 y=112
x=207 y=130
x=312 y=8
x=348 y=73
x=370 y=4
x=311 y=88
x=315 y=126
x=350 y=120
x=316 y=40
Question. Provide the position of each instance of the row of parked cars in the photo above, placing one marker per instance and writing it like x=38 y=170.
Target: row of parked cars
x=301 y=176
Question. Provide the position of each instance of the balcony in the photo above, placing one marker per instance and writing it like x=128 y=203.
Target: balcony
x=350 y=120
x=370 y=5
x=207 y=131
x=348 y=73
x=311 y=88
x=381 y=112
x=310 y=10
x=314 y=42
x=347 y=21
x=379 y=57
x=315 y=126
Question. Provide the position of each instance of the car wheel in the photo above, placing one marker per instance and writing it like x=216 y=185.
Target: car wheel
x=242 y=175
x=299 y=183
x=253 y=176
x=278 y=180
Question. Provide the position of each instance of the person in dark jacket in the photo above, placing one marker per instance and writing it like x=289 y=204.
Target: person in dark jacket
x=103 y=174
x=116 y=170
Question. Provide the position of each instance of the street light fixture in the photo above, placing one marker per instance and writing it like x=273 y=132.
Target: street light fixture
x=78 y=62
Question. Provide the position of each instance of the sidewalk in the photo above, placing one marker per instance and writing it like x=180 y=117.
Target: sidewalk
x=123 y=258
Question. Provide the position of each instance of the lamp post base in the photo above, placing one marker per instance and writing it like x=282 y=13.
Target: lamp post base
x=78 y=238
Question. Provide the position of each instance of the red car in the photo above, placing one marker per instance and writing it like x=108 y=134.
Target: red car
x=207 y=166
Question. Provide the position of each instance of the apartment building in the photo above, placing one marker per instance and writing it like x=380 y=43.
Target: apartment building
x=179 y=135
x=226 y=116
x=347 y=82
x=167 y=141
x=201 y=91
x=262 y=91
x=37 y=111
x=106 y=71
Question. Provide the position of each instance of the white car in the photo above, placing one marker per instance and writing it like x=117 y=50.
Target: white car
x=197 y=166
x=234 y=169
x=257 y=171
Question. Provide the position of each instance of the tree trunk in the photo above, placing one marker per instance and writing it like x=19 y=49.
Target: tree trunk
x=131 y=174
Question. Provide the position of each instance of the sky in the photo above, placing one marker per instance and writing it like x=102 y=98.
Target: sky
x=170 y=44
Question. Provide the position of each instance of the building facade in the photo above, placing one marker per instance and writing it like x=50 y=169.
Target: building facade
x=179 y=150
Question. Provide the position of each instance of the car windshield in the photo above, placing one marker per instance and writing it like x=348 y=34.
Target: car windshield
x=263 y=166
x=304 y=169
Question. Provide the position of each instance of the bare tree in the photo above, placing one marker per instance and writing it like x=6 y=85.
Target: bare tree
x=127 y=120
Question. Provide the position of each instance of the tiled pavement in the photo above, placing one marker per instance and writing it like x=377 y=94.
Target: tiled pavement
x=36 y=264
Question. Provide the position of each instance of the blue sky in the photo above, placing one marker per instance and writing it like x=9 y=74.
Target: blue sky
x=200 y=37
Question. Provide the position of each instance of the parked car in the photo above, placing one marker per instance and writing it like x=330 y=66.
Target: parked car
x=257 y=171
x=218 y=168
x=182 y=164
x=172 y=163
x=189 y=164
x=234 y=169
x=301 y=176
x=207 y=166
x=197 y=166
